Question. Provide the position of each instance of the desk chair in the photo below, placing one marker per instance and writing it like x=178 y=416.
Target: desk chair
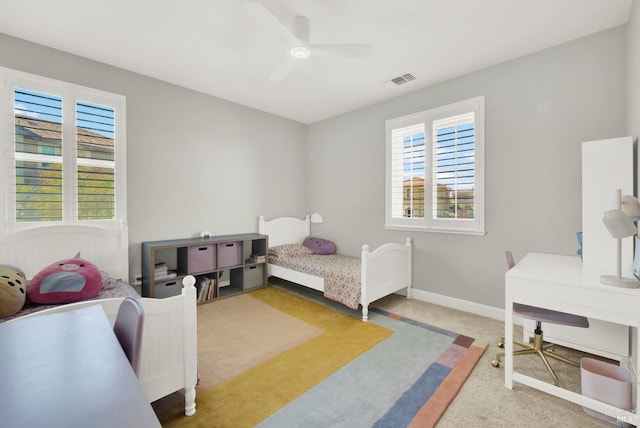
x=128 y=329
x=540 y=315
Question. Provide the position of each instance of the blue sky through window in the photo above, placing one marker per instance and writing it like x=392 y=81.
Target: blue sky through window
x=455 y=156
x=93 y=117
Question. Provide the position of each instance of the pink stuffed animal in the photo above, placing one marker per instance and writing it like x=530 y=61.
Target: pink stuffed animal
x=66 y=281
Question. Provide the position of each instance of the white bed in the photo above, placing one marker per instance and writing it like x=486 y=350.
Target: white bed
x=383 y=271
x=169 y=354
x=168 y=361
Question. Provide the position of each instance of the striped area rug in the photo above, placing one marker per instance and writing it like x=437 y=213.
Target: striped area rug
x=423 y=404
x=408 y=380
x=390 y=372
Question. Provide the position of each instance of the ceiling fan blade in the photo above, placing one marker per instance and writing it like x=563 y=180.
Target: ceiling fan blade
x=268 y=20
x=283 y=70
x=342 y=50
x=301 y=28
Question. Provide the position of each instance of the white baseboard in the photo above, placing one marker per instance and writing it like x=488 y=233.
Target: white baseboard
x=459 y=304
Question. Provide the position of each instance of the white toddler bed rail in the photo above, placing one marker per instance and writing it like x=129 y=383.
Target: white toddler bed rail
x=384 y=271
x=169 y=342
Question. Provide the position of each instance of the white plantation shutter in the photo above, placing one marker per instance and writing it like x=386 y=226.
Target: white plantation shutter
x=69 y=156
x=408 y=162
x=454 y=167
x=96 y=143
x=38 y=156
x=435 y=169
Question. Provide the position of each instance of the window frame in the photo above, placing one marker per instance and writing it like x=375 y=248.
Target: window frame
x=70 y=94
x=475 y=226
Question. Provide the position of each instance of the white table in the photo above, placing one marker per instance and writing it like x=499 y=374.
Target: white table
x=561 y=283
x=68 y=370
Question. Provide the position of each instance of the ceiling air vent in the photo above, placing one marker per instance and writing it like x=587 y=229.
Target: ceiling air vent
x=403 y=79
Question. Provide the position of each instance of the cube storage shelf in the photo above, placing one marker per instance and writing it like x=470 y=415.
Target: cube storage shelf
x=223 y=265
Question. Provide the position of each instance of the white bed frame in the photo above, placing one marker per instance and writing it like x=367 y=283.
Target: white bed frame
x=384 y=271
x=169 y=342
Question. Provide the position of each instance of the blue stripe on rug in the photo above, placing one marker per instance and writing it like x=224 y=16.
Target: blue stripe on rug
x=404 y=410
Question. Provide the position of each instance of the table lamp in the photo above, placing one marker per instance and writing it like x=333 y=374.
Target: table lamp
x=316 y=218
x=620 y=225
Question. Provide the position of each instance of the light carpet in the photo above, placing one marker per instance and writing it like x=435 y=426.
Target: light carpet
x=391 y=371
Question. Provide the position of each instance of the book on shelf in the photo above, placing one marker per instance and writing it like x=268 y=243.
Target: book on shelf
x=258 y=258
x=161 y=269
x=206 y=287
x=159 y=276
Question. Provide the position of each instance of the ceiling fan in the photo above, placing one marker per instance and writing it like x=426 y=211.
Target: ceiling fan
x=297 y=36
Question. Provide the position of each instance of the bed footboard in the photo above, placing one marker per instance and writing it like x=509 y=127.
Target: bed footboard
x=169 y=354
x=384 y=271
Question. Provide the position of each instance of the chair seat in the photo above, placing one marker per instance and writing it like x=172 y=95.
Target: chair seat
x=548 y=315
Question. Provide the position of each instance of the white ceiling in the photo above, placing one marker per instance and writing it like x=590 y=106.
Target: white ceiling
x=217 y=47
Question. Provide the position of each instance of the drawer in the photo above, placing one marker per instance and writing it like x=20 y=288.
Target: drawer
x=602 y=338
x=167 y=288
x=202 y=258
x=253 y=276
x=229 y=254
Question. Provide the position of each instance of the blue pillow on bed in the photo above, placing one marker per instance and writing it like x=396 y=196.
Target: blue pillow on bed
x=320 y=246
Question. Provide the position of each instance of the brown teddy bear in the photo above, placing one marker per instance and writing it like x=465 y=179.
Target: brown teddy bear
x=13 y=290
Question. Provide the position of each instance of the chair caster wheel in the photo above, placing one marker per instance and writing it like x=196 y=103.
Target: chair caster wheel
x=495 y=363
x=501 y=343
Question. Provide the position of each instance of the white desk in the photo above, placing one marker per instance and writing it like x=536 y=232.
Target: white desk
x=560 y=283
x=68 y=370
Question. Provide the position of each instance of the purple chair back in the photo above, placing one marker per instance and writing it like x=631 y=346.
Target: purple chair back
x=128 y=329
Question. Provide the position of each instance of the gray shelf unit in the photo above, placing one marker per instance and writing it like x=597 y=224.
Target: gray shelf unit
x=225 y=258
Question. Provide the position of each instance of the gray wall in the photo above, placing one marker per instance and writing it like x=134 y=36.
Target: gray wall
x=195 y=162
x=538 y=111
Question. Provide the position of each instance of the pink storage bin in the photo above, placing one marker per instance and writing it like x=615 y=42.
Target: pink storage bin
x=608 y=383
x=202 y=258
x=229 y=254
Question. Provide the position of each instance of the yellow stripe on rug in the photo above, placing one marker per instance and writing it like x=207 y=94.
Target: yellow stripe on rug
x=252 y=396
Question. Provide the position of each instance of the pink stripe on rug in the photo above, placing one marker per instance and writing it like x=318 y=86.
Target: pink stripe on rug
x=433 y=410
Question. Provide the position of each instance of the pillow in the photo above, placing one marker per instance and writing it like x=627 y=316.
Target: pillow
x=320 y=246
x=289 y=250
x=107 y=281
x=66 y=281
x=13 y=289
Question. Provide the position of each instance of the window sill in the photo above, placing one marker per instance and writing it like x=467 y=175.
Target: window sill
x=438 y=230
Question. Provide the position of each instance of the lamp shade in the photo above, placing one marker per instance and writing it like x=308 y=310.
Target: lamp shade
x=316 y=218
x=631 y=207
x=619 y=224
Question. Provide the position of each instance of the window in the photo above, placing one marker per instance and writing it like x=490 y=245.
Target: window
x=435 y=169
x=67 y=159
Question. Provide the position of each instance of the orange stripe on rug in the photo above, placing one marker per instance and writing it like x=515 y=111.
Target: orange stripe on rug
x=433 y=410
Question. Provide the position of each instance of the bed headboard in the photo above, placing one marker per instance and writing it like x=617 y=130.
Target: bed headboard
x=34 y=249
x=285 y=230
